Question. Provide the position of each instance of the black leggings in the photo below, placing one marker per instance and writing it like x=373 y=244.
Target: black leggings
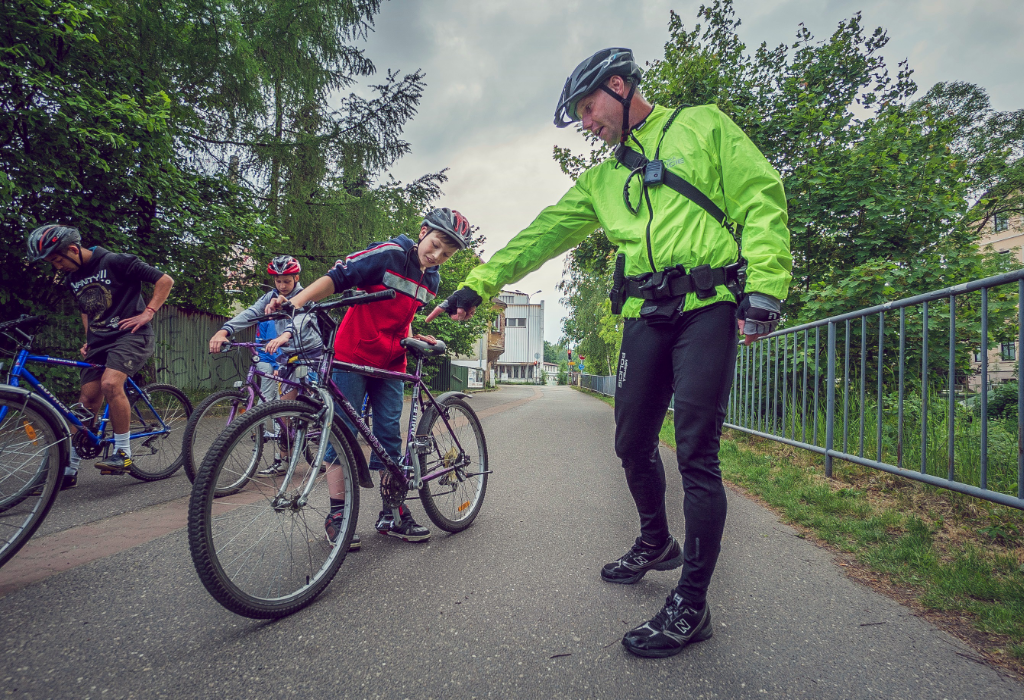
x=694 y=361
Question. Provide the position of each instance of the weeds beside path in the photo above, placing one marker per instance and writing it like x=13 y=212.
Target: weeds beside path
x=956 y=560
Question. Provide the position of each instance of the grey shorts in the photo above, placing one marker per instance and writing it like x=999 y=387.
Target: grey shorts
x=126 y=353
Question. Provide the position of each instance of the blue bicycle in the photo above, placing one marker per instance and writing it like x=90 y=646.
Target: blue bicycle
x=35 y=437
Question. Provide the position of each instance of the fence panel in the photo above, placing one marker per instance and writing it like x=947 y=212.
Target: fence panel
x=459 y=377
x=901 y=379
x=601 y=384
x=181 y=356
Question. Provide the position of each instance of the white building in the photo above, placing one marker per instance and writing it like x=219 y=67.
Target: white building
x=524 y=340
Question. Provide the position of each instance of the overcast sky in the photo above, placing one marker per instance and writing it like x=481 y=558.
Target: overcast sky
x=495 y=68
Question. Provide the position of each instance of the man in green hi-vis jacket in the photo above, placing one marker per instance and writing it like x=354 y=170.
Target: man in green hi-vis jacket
x=680 y=183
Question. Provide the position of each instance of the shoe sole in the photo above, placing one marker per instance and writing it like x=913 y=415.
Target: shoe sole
x=701 y=636
x=353 y=546
x=673 y=563
x=408 y=538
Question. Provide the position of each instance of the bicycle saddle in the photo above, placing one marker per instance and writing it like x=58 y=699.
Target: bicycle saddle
x=420 y=348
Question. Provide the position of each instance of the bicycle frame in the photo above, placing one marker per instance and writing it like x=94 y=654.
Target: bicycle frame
x=20 y=372
x=250 y=384
x=418 y=389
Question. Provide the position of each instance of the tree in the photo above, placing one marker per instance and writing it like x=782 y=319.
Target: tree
x=83 y=142
x=880 y=186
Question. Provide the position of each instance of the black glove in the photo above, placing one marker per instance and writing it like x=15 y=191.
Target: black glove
x=760 y=313
x=464 y=298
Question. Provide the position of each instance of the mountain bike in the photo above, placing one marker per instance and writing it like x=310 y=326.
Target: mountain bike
x=35 y=437
x=220 y=408
x=262 y=553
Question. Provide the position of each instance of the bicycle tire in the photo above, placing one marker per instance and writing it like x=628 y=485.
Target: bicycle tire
x=196 y=431
x=158 y=456
x=28 y=488
x=259 y=557
x=453 y=501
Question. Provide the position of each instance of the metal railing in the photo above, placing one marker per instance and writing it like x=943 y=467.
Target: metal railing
x=917 y=413
x=601 y=384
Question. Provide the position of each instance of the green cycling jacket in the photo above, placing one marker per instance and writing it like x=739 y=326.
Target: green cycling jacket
x=703 y=146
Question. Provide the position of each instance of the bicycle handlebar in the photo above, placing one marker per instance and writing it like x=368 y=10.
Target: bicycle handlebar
x=22 y=320
x=350 y=300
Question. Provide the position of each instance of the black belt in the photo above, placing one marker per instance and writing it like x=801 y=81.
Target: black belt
x=702 y=280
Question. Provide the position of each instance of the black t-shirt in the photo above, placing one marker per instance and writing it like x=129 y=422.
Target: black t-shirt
x=108 y=289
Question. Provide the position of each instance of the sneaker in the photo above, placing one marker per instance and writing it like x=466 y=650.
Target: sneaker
x=278 y=468
x=384 y=520
x=69 y=481
x=117 y=463
x=640 y=559
x=675 y=626
x=407 y=529
x=332 y=526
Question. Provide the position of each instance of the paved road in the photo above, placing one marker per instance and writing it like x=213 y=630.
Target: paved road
x=513 y=607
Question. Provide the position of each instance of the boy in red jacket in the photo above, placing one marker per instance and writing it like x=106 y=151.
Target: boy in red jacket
x=370 y=335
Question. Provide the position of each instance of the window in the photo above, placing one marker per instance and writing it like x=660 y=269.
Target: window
x=1008 y=351
x=1000 y=222
x=497 y=324
x=515 y=323
x=977 y=355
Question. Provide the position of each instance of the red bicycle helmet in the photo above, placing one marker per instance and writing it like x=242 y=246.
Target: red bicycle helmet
x=451 y=222
x=284 y=265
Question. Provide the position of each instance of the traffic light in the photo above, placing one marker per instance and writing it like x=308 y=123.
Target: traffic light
x=570 y=355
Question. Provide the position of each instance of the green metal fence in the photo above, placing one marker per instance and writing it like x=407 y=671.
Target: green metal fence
x=449 y=377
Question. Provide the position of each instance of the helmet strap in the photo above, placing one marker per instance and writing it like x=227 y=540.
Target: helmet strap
x=625 y=102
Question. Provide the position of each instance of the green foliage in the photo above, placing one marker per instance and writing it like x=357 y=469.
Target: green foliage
x=880 y=186
x=203 y=136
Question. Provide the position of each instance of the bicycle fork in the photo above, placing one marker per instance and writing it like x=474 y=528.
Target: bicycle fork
x=326 y=420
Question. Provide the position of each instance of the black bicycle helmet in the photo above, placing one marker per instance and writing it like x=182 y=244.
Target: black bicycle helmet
x=591 y=75
x=50 y=238
x=451 y=222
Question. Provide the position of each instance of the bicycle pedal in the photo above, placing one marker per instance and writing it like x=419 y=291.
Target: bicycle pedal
x=113 y=472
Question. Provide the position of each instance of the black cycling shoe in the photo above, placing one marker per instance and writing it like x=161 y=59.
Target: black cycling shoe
x=640 y=559
x=407 y=529
x=117 y=463
x=69 y=481
x=676 y=625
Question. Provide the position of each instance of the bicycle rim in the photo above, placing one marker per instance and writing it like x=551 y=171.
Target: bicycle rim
x=261 y=553
x=452 y=501
x=30 y=472
x=208 y=420
x=158 y=455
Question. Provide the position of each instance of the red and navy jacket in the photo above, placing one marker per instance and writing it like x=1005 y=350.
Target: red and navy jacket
x=370 y=333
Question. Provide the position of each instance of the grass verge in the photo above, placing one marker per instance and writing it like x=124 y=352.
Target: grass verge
x=957 y=560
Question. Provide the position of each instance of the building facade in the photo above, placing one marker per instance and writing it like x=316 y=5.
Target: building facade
x=486 y=351
x=1005 y=234
x=522 y=359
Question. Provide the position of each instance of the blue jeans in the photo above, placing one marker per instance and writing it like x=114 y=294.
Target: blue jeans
x=386 y=401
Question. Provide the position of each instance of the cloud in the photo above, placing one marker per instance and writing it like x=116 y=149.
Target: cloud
x=494 y=71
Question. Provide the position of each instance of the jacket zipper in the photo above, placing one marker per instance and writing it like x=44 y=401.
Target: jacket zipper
x=650 y=209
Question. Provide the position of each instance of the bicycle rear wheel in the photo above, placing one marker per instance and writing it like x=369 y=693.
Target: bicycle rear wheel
x=208 y=420
x=262 y=552
x=453 y=500
x=32 y=458
x=158 y=455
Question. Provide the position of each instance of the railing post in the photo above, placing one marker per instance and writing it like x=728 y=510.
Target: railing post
x=830 y=410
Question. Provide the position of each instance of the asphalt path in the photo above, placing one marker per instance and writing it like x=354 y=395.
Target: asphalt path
x=512 y=607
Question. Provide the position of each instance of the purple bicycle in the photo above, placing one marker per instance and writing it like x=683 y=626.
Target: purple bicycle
x=262 y=551
x=221 y=408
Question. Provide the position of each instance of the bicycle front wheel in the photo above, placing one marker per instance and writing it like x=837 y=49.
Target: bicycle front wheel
x=208 y=420
x=457 y=452
x=157 y=428
x=32 y=458
x=263 y=551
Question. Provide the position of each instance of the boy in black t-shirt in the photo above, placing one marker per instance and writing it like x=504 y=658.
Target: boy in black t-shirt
x=108 y=289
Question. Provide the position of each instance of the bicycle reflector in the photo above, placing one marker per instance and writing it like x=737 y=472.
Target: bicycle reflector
x=30 y=431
